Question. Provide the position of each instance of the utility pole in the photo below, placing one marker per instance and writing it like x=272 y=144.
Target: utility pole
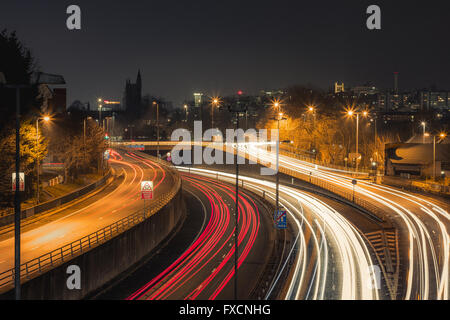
x=84 y=138
x=237 y=109
x=17 y=203
x=357 y=141
x=37 y=161
x=236 y=221
x=157 y=128
x=50 y=79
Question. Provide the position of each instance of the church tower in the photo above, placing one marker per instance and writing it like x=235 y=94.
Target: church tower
x=139 y=84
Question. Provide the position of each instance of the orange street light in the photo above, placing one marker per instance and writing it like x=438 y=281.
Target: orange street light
x=215 y=101
x=276 y=103
x=350 y=113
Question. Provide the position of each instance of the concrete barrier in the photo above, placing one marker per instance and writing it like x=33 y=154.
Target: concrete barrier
x=103 y=263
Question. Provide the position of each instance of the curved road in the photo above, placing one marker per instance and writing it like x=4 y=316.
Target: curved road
x=424 y=225
x=81 y=218
x=205 y=270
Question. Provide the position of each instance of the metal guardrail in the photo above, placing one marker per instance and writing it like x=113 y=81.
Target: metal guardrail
x=350 y=196
x=39 y=265
x=323 y=164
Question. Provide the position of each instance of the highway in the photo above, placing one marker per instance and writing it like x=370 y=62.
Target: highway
x=423 y=224
x=331 y=260
x=81 y=218
x=205 y=270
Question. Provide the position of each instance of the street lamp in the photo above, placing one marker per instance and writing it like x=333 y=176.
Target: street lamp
x=423 y=124
x=237 y=109
x=214 y=103
x=312 y=109
x=45 y=119
x=100 y=111
x=157 y=127
x=442 y=135
x=350 y=113
x=277 y=104
x=36 y=79
x=186 y=111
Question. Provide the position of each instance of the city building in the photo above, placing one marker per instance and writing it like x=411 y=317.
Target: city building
x=198 y=99
x=415 y=158
x=338 y=88
x=54 y=100
x=133 y=94
x=432 y=100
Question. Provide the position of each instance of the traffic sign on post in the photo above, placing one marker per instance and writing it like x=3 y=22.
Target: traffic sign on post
x=146 y=190
x=21 y=181
x=280 y=219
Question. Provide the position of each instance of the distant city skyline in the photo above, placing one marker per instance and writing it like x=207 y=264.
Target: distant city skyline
x=218 y=48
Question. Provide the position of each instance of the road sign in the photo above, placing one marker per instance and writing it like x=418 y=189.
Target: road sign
x=138 y=147
x=354 y=181
x=146 y=190
x=106 y=155
x=21 y=181
x=280 y=219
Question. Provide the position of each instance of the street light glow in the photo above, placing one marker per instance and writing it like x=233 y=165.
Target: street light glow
x=276 y=103
x=46 y=118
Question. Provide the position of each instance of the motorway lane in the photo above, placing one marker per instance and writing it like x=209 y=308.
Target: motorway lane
x=206 y=269
x=331 y=260
x=424 y=226
x=76 y=221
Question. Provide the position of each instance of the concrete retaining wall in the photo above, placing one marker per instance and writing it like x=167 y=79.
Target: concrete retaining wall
x=103 y=263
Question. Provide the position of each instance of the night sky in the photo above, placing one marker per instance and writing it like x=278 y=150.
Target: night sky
x=217 y=47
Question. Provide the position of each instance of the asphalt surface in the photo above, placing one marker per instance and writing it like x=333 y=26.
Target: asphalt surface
x=83 y=217
x=198 y=262
x=422 y=221
x=325 y=256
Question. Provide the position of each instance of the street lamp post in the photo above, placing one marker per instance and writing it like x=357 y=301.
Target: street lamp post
x=312 y=110
x=36 y=79
x=46 y=119
x=157 y=128
x=237 y=109
x=442 y=136
x=279 y=117
x=100 y=112
x=365 y=114
x=423 y=124
x=186 y=112
x=214 y=103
